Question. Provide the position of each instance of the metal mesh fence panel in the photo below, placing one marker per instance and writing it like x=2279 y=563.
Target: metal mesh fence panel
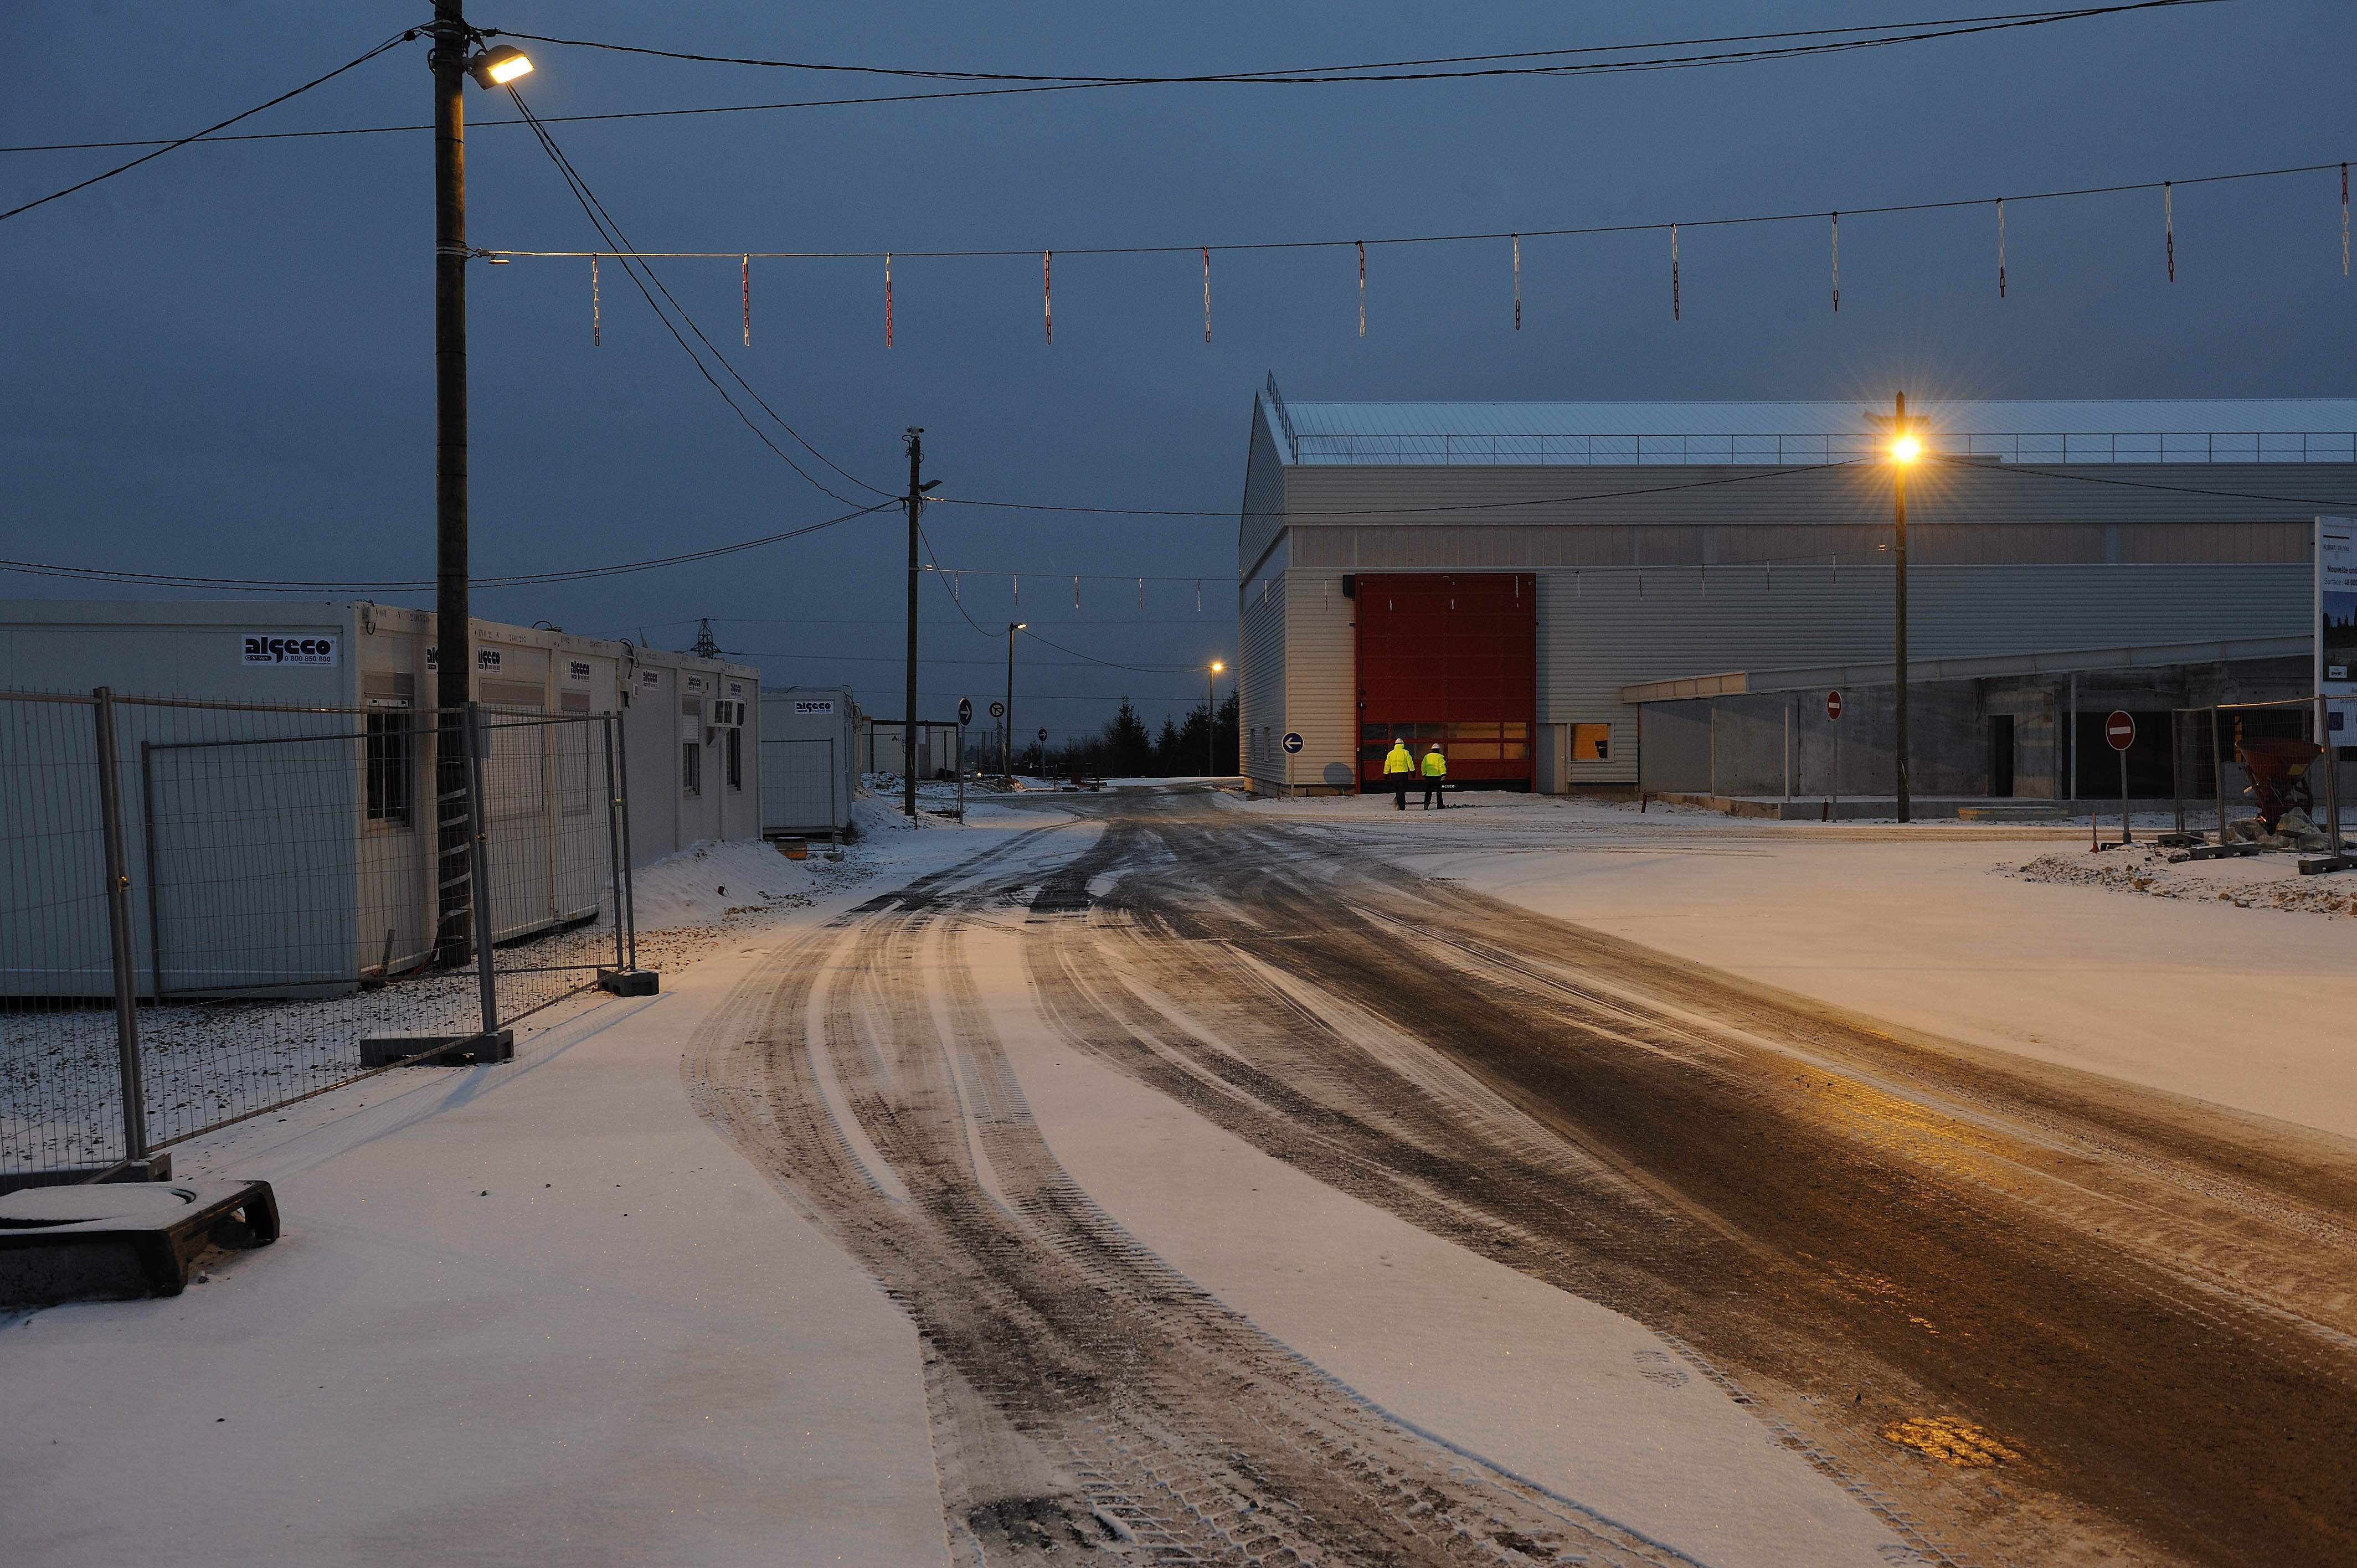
x=274 y=928
x=61 y=1099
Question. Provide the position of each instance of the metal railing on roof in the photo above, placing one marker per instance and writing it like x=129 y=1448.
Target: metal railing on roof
x=1625 y=451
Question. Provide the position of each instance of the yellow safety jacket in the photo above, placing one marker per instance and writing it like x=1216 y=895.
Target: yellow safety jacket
x=1399 y=761
x=1435 y=766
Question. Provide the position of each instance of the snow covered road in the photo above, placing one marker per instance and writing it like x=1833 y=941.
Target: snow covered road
x=1885 y=1245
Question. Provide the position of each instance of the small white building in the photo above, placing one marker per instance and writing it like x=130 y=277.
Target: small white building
x=809 y=759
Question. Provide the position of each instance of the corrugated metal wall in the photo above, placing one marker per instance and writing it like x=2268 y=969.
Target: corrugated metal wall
x=1261 y=660
x=1601 y=630
x=1319 y=675
x=1264 y=488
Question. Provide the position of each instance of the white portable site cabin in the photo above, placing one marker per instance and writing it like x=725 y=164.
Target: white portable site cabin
x=303 y=864
x=881 y=741
x=809 y=759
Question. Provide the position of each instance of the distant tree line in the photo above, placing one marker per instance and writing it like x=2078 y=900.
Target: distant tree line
x=1127 y=749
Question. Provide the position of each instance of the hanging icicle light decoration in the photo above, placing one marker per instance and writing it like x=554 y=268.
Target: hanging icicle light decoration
x=2345 y=219
x=1018 y=580
x=888 y=299
x=744 y=279
x=596 y=331
x=1048 y=295
x=2169 y=225
x=1141 y=596
x=1076 y=593
x=1207 y=294
x=1362 y=288
x=1836 y=262
x=1199 y=596
x=2000 y=247
x=1518 y=272
x=1673 y=316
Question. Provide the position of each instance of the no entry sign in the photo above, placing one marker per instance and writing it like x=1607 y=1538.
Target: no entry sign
x=1833 y=704
x=2120 y=729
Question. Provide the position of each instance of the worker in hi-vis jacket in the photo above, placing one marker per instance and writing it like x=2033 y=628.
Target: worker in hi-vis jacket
x=1435 y=771
x=1399 y=772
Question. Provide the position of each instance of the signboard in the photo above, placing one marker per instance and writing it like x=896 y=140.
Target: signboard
x=577 y=672
x=487 y=661
x=696 y=685
x=1833 y=704
x=2119 y=729
x=998 y=710
x=277 y=647
x=736 y=689
x=1292 y=742
x=650 y=677
x=813 y=705
x=1043 y=737
x=965 y=711
x=2336 y=627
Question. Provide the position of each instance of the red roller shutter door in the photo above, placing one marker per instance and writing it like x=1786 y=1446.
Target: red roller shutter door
x=1451 y=658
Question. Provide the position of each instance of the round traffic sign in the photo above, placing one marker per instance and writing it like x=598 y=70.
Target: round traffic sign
x=1043 y=737
x=2120 y=729
x=965 y=711
x=1292 y=740
x=998 y=710
x=1833 y=704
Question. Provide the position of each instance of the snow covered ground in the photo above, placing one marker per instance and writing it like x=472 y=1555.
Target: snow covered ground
x=2015 y=938
x=528 y=1313
x=462 y=1352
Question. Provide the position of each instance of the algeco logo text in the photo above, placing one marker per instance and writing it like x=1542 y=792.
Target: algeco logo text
x=262 y=647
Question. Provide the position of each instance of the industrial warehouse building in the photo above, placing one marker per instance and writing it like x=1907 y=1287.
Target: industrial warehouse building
x=1616 y=596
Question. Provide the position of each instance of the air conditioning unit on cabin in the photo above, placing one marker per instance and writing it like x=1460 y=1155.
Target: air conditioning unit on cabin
x=727 y=713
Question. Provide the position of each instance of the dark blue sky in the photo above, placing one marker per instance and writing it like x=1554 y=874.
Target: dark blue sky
x=220 y=363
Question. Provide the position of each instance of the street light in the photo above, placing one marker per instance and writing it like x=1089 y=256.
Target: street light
x=1007 y=742
x=498 y=66
x=1905 y=447
x=1211 y=719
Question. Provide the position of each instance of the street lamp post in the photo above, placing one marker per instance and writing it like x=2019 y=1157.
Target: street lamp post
x=1211 y=719
x=453 y=625
x=1905 y=447
x=1006 y=739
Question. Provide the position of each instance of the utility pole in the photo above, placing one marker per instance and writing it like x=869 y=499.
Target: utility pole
x=915 y=440
x=1211 y=718
x=453 y=629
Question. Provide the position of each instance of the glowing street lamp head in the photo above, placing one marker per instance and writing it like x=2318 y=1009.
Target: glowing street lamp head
x=498 y=66
x=1906 y=449
x=1020 y=626
x=1217 y=667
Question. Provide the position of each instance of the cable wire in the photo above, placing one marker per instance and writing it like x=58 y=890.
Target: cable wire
x=610 y=231
x=1393 y=70
x=1049 y=85
x=1110 y=664
x=576 y=574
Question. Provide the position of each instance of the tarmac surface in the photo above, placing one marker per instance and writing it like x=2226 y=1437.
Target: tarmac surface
x=2021 y=1313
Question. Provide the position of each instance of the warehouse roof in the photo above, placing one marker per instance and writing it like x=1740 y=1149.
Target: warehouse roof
x=2023 y=430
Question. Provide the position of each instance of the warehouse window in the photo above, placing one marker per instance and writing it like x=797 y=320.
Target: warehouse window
x=390 y=769
x=1591 y=742
x=690 y=768
x=736 y=759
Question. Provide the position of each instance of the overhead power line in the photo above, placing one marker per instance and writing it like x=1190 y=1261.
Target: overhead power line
x=1774 y=45
x=610 y=231
x=201 y=135
x=517 y=580
x=1057 y=84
